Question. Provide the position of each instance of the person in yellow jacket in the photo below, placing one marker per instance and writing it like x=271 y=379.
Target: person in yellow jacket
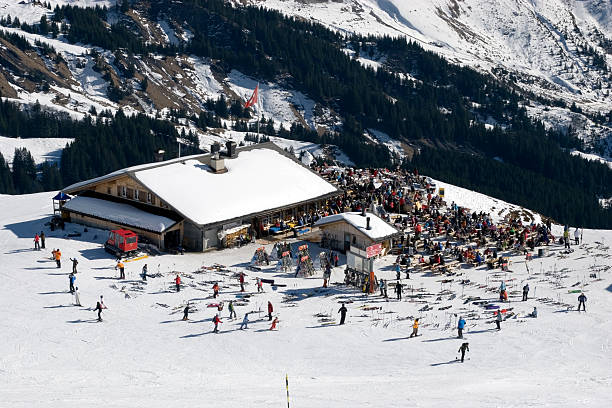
x=121 y=268
x=58 y=258
x=415 y=328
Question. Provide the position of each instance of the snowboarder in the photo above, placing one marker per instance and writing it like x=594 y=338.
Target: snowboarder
x=582 y=301
x=77 y=297
x=498 y=320
x=398 y=290
x=145 y=269
x=464 y=347
x=71 y=279
x=42 y=239
x=534 y=314
x=177 y=281
x=241 y=279
x=415 y=328
x=216 y=321
x=525 y=292
x=273 y=326
x=270 y=310
x=259 y=285
x=121 y=268
x=231 y=309
x=58 y=257
x=186 y=312
x=460 y=326
x=36 y=242
x=342 y=312
x=74 y=265
x=215 y=290
x=245 y=322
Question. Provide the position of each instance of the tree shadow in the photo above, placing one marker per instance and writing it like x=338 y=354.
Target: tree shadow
x=19 y=251
x=92 y=254
x=27 y=229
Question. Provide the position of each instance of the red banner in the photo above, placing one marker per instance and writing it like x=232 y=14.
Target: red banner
x=373 y=250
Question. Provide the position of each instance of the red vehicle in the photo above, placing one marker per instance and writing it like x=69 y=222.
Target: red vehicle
x=121 y=243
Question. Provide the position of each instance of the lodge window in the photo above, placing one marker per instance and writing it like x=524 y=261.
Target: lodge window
x=150 y=198
x=136 y=194
x=108 y=190
x=142 y=196
x=129 y=192
x=121 y=190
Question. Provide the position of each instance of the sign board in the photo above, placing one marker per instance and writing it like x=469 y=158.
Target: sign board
x=373 y=250
x=441 y=192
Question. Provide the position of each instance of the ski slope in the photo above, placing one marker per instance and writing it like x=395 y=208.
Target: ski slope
x=55 y=354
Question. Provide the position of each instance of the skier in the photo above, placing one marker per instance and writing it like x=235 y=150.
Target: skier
x=42 y=239
x=99 y=306
x=577 y=236
x=177 y=281
x=71 y=279
x=58 y=258
x=502 y=291
x=274 y=322
x=525 y=291
x=534 y=314
x=241 y=279
x=381 y=284
x=245 y=322
x=270 y=310
x=231 y=309
x=145 y=269
x=464 y=347
x=327 y=274
x=121 y=268
x=582 y=301
x=398 y=290
x=259 y=285
x=215 y=290
x=336 y=259
x=398 y=271
x=186 y=312
x=342 y=312
x=77 y=297
x=216 y=321
x=36 y=242
x=74 y=265
x=415 y=328
x=566 y=240
x=498 y=320
x=460 y=326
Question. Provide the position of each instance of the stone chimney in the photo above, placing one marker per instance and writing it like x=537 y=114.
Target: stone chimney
x=231 y=149
x=217 y=164
x=368 y=227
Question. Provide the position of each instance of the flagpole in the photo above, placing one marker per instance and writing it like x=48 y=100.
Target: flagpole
x=258 y=112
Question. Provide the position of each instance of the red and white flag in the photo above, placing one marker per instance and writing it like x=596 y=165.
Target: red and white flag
x=253 y=99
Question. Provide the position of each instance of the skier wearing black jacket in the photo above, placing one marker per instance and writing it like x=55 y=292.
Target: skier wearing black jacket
x=464 y=347
x=342 y=312
x=582 y=301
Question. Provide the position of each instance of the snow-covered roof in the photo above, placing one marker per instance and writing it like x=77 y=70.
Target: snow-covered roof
x=258 y=179
x=120 y=213
x=379 y=229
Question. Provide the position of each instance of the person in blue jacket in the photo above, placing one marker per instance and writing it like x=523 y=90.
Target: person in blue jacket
x=71 y=279
x=460 y=326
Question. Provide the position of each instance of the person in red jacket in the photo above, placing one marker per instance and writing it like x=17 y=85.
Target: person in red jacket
x=273 y=327
x=177 y=280
x=270 y=310
x=215 y=290
x=216 y=321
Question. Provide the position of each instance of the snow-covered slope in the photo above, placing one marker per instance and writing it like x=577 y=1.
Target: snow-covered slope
x=55 y=354
x=42 y=149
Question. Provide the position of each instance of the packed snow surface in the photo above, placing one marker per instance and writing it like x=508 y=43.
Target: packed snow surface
x=55 y=354
x=257 y=180
x=378 y=227
x=120 y=213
